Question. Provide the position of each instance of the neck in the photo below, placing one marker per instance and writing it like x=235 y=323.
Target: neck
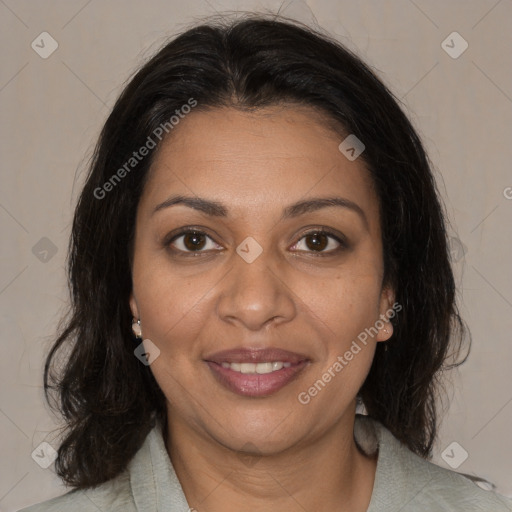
x=328 y=473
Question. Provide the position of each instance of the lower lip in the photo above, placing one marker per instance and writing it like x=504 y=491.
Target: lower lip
x=255 y=385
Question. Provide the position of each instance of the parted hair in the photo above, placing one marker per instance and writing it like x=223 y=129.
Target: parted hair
x=107 y=398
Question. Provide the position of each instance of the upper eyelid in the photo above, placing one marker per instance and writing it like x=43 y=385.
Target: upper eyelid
x=191 y=231
x=187 y=231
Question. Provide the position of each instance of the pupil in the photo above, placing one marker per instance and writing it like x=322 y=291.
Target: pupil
x=317 y=245
x=195 y=241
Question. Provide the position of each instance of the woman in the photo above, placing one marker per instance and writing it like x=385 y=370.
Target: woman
x=259 y=247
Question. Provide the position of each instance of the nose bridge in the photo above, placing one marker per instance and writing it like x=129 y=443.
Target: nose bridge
x=253 y=292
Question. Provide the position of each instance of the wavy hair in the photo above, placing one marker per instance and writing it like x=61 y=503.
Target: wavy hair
x=109 y=400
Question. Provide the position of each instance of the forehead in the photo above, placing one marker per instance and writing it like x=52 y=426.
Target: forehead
x=250 y=160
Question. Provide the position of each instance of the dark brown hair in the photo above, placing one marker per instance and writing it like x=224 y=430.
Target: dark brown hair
x=108 y=399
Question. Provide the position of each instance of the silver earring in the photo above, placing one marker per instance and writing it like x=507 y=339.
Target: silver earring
x=136 y=328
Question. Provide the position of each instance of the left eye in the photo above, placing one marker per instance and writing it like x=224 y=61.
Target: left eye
x=193 y=241
x=319 y=241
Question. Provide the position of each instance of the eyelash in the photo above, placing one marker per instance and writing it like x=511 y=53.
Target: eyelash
x=190 y=230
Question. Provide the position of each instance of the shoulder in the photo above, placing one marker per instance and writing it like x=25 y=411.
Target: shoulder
x=448 y=490
x=148 y=482
x=114 y=495
x=409 y=483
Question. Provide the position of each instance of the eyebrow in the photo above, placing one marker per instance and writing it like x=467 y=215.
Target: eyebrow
x=216 y=209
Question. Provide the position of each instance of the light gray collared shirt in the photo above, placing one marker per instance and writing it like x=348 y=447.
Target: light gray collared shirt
x=404 y=482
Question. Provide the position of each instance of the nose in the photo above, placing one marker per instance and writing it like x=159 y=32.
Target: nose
x=256 y=294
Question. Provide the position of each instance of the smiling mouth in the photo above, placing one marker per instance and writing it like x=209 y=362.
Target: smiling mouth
x=256 y=368
x=256 y=380
x=256 y=372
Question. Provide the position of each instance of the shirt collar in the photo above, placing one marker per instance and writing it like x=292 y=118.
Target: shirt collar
x=156 y=488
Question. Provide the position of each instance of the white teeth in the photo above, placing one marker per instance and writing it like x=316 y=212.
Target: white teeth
x=259 y=368
x=248 y=367
x=266 y=367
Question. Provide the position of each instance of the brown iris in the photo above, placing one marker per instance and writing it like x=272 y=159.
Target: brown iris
x=319 y=243
x=194 y=241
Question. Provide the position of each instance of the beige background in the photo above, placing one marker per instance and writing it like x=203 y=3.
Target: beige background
x=52 y=110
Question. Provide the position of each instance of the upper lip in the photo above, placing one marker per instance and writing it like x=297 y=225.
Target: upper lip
x=256 y=355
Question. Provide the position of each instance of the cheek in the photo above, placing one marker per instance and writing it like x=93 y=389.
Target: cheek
x=346 y=303
x=336 y=385
x=343 y=309
x=171 y=307
x=173 y=313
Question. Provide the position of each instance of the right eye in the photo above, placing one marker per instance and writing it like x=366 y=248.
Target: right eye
x=190 y=241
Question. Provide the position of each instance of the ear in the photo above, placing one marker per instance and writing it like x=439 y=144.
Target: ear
x=386 y=311
x=133 y=306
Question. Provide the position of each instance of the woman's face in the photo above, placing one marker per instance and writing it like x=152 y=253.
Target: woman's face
x=257 y=277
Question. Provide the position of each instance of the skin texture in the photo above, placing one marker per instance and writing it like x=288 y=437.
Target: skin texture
x=269 y=453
